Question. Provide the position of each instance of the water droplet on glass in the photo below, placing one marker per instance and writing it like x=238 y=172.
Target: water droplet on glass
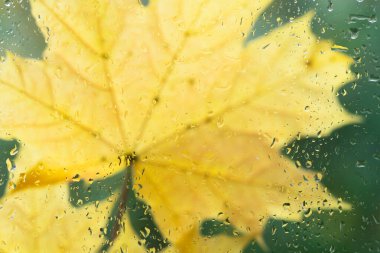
x=373 y=78
x=9 y=164
x=376 y=156
x=13 y=151
x=8 y=3
x=308 y=213
x=145 y=233
x=286 y=206
x=11 y=186
x=274 y=230
x=339 y=48
x=354 y=32
x=354 y=18
x=330 y=6
x=76 y=178
x=273 y=142
x=220 y=122
x=361 y=163
x=318 y=177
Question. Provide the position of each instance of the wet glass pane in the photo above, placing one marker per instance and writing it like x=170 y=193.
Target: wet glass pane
x=189 y=126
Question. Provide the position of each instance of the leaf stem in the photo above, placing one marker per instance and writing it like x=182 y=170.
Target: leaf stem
x=116 y=218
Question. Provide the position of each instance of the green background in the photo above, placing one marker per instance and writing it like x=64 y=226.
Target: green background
x=349 y=158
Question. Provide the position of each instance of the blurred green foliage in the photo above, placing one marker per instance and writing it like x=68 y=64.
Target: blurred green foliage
x=349 y=158
x=18 y=30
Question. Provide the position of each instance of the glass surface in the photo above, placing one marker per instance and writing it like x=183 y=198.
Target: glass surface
x=189 y=126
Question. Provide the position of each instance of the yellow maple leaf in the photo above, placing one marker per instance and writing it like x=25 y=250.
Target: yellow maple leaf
x=42 y=220
x=173 y=89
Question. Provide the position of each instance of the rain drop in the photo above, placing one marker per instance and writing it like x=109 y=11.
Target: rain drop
x=220 y=122
x=308 y=213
